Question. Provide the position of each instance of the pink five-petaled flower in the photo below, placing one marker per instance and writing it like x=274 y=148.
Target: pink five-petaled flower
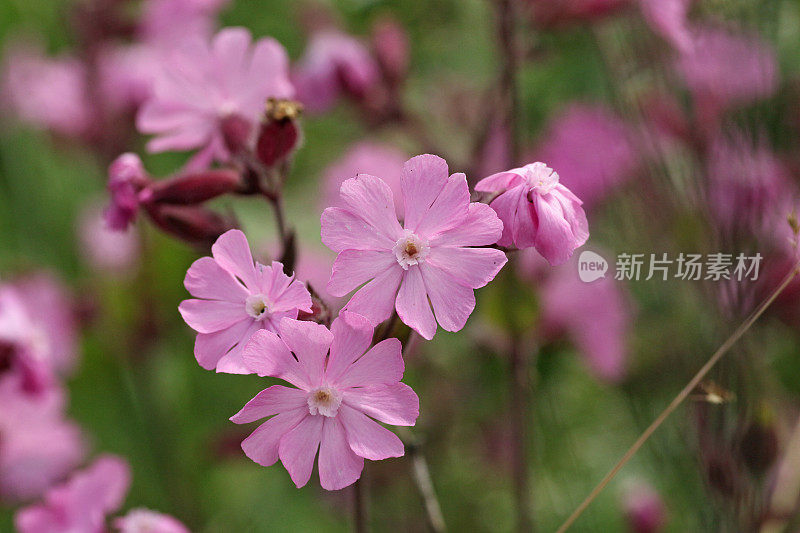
x=337 y=397
x=82 y=503
x=537 y=211
x=202 y=84
x=234 y=298
x=431 y=258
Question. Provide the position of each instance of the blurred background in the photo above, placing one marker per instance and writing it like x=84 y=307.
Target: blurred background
x=675 y=122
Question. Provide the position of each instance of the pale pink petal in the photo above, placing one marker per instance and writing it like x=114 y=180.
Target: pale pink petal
x=391 y=404
x=480 y=228
x=299 y=447
x=206 y=279
x=372 y=200
x=352 y=336
x=262 y=444
x=382 y=364
x=338 y=465
x=412 y=304
x=505 y=206
x=271 y=401
x=452 y=302
x=343 y=230
x=267 y=355
x=473 y=267
x=231 y=46
x=210 y=347
x=233 y=361
x=449 y=209
x=295 y=297
x=209 y=316
x=270 y=56
x=309 y=342
x=424 y=177
x=500 y=182
x=525 y=225
x=367 y=438
x=353 y=268
x=232 y=252
x=554 y=238
x=573 y=214
x=376 y=299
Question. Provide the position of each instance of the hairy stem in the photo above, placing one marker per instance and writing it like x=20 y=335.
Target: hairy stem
x=682 y=395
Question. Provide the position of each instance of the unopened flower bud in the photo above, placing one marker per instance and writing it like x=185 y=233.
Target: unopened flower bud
x=236 y=131
x=279 y=133
x=189 y=223
x=390 y=42
x=193 y=188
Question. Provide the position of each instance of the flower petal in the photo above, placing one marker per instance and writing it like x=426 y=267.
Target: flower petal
x=271 y=401
x=206 y=279
x=230 y=48
x=209 y=316
x=352 y=336
x=382 y=364
x=452 y=302
x=338 y=465
x=375 y=300
x=233 y=361
x=267 y=355
x=499 y=182
x=353 y=268
x=309 y=342
x=210 y=347
x=343 y=230
x=505 y=206
x=412 y=304
x=391 y=404
x=262 y=444
x=232 y=252
x=299 y=447
x=481 y=227
x=449 y=209
x=424 y=177
x=554 y=238
x=372 y=200
x=367 y=438
x=473 y=267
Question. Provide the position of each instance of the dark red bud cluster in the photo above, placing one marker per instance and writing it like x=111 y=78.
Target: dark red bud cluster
x=279 y=133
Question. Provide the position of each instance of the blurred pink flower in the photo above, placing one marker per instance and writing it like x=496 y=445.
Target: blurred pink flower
x=147 y=521
x=235 y=298
x=126 y=74
x=596 y=316
x=366 y=157
x=668 y=19
x=592 y=150
x=38 y=446
x=337 y=396
x=391 y=44
x=126 y=179
x=537 y=211
x=165 y=23
x=644 y=509
x=105 y=249
x=724 y=69
x=49 y=93
x=432 y=260
x=82 y=503
x=333 y=63
x=201 y=84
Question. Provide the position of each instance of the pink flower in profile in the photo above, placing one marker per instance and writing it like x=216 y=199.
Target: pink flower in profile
x=432 y=260
x=342 y=385
x=147 y=521
x=202 y=84
x=592 y=150
x=333 y=63
x=126 y=179
x=82 y=503
x=234 y=298
x=366 y=157
x=668 y=19
x=39 y=446
x=537 y=211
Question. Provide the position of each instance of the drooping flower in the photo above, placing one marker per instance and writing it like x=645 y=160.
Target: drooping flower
x=366 y=157
x=201 y=84
x=126 y=179
x=80 y=504
x=334 y=63
x=537 y=211
x=592 y=150
x=432 y=259
x=147 y=521
x=668 y=19
x=234 y=298
x=39 y=446
x=342 y=385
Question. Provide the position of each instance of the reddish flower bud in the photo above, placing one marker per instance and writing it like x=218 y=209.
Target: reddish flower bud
x=193 y=188
x=279 y=133
x=644 y=509
x=236 y=132
x=390 y=42
x=189 y=223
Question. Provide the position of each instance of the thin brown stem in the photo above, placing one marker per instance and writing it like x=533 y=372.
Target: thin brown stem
x=423 y=481
x=682 y=395
x=506 y=21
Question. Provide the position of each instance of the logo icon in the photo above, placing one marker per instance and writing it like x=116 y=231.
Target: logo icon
x=591 y=266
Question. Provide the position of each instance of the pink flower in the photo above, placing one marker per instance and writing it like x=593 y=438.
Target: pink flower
x=147 y=521
x=592 y=150
x=366 y=157
x=333 y=63
x=202 y=84
x=105 y=249
x=668 y=19
x=537 y=211
x=165 y=23
x=126 y=179
x=431 y=258
x=337 y=396
x=235 y=298
x=80 y=504
x=38 y=446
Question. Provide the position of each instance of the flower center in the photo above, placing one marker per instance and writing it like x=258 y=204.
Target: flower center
x=256 y=306
x=411 y=249
x=324 y=401
x=540 y=177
